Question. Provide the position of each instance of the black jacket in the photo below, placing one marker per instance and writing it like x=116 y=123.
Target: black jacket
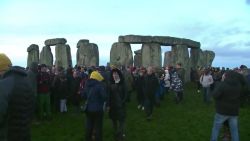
x=228 y=93
x=150 y=85
x=16 y=105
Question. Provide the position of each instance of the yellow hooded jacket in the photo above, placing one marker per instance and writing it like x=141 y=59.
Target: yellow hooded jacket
x=96 y=75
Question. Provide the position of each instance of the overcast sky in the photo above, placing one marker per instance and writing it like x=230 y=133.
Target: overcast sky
x=222 y=26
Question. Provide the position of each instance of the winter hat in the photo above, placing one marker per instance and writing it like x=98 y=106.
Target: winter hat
x=5 y=62
x=96 y=75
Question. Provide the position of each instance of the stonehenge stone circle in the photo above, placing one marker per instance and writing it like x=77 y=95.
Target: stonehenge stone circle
x=121 y=54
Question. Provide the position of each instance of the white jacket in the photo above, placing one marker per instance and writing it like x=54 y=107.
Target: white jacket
x=206 y=80
x=167 y=79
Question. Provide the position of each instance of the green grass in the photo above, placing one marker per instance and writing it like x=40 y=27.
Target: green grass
x=190 y=120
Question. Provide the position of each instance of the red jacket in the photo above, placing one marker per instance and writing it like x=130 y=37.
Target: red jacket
x=43 y=82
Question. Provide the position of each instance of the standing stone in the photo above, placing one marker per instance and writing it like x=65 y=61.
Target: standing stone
x=181 y=55
x=209 y=57
x=46 y=56
x=168 y=59
x=63 y=56
x=195 y=57
x=33 y=54
x=93 y=55
x=151 y=55
x=69 y=55
x=87 y=53
x=121 y=54
x=202 y=59
x=138 y=58
x=53 y=42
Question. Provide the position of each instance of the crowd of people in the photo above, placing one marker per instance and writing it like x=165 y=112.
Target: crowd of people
x=39 y=91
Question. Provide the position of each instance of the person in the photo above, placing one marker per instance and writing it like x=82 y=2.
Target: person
x=181 y=72
x=177 y=86
x=16 y=102
x=128 y=79
x=167 y=80
x=227 y=95
x=139 y=79
x=43 y=82
x=95 y=97
x=117 y=103
x=76 y=91
x=206 y=80
x=62 y=90
x=150 y=86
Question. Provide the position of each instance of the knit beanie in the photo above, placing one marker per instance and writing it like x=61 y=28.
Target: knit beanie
x=5 y=62
x=96 y=75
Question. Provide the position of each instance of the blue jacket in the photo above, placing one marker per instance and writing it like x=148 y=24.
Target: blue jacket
x=95 y=94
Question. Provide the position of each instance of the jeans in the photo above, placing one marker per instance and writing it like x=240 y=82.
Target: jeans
x=218 y=122
x=63 y=105
x=206 y=94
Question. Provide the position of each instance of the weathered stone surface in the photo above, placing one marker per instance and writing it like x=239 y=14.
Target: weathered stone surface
x=87 y=53
x=121 y=54
x=209 y=57
x=168 y=59
x=63 y=56
x=151 y=55
x=162 y=40
x=55 y=41
x=137 y=51
x=135 y=39
x=94 y=55
x=201 y=59
x=180 y=55
x=46 y=56
x=69 y=55
x=195 y=57
x=82 y=42
x=33 y=54
x=169 y=41
x=138 y=58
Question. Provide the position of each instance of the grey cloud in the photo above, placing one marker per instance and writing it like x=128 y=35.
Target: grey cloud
x=231 y=53
x=248 y=2
x=247 y=44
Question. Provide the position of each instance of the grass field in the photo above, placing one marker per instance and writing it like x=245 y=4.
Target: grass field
x=190 y=120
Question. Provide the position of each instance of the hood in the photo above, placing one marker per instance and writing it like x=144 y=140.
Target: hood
x=15 y=70
x=97 y=76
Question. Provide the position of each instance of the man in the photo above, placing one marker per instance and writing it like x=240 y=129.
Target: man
x=227 y=96
x=181 y=72
x=43 y=82
x=16 y=102
x=128 y=82
x=150 y=86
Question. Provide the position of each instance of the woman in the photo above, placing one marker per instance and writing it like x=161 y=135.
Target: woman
x=116 y=103
x=95 y=96
x=206 y=80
